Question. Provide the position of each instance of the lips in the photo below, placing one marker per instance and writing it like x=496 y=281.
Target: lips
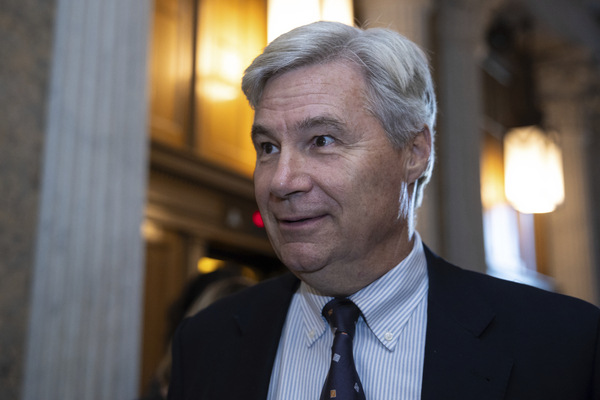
x=292 y=220
x=299 y=220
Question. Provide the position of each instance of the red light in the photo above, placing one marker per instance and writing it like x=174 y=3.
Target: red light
x=257 y=219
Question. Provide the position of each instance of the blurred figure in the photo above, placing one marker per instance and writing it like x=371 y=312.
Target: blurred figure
x=201 y=292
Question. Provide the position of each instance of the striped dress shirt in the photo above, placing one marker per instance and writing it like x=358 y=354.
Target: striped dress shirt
x=389 y=344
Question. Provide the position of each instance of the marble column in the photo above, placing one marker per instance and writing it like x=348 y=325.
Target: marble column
x=459 y=35
x=84 y=329
x=26 y=37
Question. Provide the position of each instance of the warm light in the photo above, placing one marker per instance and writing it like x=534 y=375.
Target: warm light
x=492 y=173
x=217 y=90
x=337 y=10
x=231 y=33
x=285 y=15
x=227 y=45
x=221 y=70
x=207 y=265
x=533 y=178
x=151 y=232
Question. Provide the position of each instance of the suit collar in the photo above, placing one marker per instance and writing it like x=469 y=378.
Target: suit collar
x=458 y=363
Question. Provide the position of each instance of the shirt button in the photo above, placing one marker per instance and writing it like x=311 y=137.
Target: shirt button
x=388 y=336
x=311 y=333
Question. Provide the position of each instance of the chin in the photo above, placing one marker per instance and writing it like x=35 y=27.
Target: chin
x=301 y=265
x=302 y=261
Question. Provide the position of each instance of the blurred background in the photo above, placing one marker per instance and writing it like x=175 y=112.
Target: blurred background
x=126 y=164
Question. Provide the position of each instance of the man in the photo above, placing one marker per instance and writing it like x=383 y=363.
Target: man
x=343 y=132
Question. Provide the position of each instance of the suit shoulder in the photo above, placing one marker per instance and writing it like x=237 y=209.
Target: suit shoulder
x=509 y=300
x=502 y=294
x=519 y=307
x=550 y=341
x=512 y=294
x=249 y=301
x=258 y=295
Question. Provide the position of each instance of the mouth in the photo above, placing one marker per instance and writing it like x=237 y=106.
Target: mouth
x=300 y=221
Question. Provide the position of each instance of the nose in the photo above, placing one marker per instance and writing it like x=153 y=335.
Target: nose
x=291 y=175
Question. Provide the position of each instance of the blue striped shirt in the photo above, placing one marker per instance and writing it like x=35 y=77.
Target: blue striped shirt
x=389 y=343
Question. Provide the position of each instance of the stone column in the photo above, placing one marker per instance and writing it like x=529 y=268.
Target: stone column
x=460 y=113
x=26 y=38
x=564 y=83
x=84 y=330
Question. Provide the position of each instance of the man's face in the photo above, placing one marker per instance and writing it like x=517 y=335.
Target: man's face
x=328 y=182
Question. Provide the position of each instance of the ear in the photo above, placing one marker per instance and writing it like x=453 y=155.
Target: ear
x=418 y=151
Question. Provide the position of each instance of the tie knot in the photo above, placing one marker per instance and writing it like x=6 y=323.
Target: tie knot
x=342 y=315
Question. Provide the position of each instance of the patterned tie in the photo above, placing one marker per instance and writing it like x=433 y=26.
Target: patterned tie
x=342 y=382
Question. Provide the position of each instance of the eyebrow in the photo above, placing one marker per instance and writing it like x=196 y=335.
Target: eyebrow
x=258 y=130
x=318 y=122
x=304 y=125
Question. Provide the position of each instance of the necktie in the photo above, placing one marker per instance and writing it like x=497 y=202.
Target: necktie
x=342 y=381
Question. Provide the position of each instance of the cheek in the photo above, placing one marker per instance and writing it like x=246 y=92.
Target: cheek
x=369 y=184
x=338 y=189
x=345 y=179
x=261 y=187
x=262 y=193
x=378 y=191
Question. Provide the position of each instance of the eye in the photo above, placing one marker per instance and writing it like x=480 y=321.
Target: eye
x=268 y=148
x=322 y=141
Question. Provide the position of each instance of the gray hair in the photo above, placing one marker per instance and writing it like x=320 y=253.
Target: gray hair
x=399 y=86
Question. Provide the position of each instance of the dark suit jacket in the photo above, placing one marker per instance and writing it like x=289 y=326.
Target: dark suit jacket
x=486 y=339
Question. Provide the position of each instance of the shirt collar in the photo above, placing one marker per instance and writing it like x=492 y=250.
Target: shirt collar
x=386 y=304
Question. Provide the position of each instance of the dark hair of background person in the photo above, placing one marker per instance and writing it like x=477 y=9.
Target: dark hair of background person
x=198 y=294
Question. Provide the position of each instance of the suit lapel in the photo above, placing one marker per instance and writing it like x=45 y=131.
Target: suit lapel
x=458 y=363
x=260 y=325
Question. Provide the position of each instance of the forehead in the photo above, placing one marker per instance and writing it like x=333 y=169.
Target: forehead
x=334 y=90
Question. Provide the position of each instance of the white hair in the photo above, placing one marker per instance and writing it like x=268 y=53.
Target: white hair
x=399 y=86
